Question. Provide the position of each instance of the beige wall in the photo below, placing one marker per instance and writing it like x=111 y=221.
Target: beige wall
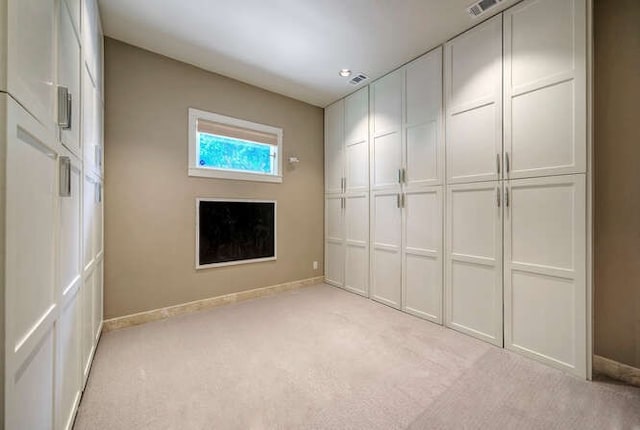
x=150 y=200
x=617 y=180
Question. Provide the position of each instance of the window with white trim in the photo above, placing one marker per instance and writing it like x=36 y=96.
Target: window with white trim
x=231 y=148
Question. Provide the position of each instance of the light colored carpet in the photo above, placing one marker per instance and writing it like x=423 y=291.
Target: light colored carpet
x=322 y=358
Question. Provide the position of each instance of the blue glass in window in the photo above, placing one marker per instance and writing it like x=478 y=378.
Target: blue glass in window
x=220 y=152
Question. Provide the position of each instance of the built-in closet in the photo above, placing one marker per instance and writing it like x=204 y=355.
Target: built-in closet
x=51 y=105
x=492 y=242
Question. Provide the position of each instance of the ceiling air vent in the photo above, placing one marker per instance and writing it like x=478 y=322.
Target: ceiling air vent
x=359 y=78
x=479 y=8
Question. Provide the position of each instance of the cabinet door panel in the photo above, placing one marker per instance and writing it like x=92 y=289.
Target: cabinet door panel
x=422 y=254
x=87 y=343
x=30 y=56
x=334 y=143
x=386 y=270
x=357 y=243
x=545 y=286
x=31 y=177
x=387 y=160
x=68 y=372
x=473 y=91
x=424 y=157
x=356 y=108
x=30 y=403
x=474 y=260
x=89 y=221
x=545 y=87
x=69 y=76
x=97 y=300
x=69 y=257
x=334 y=240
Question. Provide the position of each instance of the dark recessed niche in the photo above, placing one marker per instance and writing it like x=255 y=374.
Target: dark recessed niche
x=235 y=231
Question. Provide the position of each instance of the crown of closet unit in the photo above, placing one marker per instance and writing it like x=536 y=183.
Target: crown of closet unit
x=407 y=173
x=516 y=200
x=347 y=193
x=50 y=214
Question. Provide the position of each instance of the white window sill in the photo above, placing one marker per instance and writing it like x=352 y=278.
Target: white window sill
x=237 y=176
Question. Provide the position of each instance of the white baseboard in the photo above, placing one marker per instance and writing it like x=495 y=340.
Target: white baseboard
x=616 y=370
x=199 y=305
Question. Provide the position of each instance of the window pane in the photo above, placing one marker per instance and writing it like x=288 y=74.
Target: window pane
x=220 y=152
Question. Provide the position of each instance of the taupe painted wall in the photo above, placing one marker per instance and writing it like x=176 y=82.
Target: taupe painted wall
x=617 y=180
x=150 y=200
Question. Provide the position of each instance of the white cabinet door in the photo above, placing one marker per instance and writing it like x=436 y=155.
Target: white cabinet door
x=91 y=117
x=30 y=56
x=356 y=141
x=68 y=369
x=545 y=121
x=386 y=129
x=474 y=260
x=424 y=140
x=334 y=240
x=68 y=381
x=69 y=76
x=386 y=240
x=422 y=253
x=334 y=147
x=98 y=300
x=91 y=36
x=89 y=222
x=473 y=92
x=544 y=273
x=30 y=291
x=356 y=210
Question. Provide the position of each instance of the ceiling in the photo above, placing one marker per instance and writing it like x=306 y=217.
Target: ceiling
x=291 y=47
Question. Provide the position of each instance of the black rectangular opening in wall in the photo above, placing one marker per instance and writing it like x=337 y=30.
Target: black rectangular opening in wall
x=234 y=232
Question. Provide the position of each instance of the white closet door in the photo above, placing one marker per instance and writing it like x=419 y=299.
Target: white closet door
x=545 y=88
x=424 y=147
x=30 y=289
x=356 y=114
x=422 y=253
x=334 y=240
x=87 y=339
x=386 y=256
x=89 y=222
x=68 y=381
x=544 y=274
x=98 y=300
x=333 y=147
x=474 y=260
x=473 y=91
x=357 y=243
x=386 y=124
x=69 y=76
x=30 y=56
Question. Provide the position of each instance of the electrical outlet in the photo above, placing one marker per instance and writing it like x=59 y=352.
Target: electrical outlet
x=315 y=265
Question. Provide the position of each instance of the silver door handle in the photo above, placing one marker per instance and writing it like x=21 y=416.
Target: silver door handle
x=98 y=192
x=506 y=197
x=400 y=176
x=404 y=175
x=498 y=163
x=98 y=158
x=64 y=108
x=65 y=177
x=507 y=163
x=498 y=196
x=403 y=200
x=398 y=200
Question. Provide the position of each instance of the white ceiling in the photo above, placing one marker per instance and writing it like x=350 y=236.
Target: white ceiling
x=292 y=47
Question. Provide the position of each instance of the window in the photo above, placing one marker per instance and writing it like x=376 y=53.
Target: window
x=231 y=148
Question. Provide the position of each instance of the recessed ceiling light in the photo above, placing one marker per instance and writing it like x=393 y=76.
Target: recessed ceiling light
x=345 y=73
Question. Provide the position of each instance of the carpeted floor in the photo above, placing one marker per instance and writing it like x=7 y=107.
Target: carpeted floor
x=322 y=358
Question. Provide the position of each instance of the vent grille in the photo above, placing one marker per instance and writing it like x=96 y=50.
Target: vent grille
x=359 y=78
x=479 y=8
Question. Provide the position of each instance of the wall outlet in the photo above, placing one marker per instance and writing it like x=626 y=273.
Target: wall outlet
x=315 y=265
